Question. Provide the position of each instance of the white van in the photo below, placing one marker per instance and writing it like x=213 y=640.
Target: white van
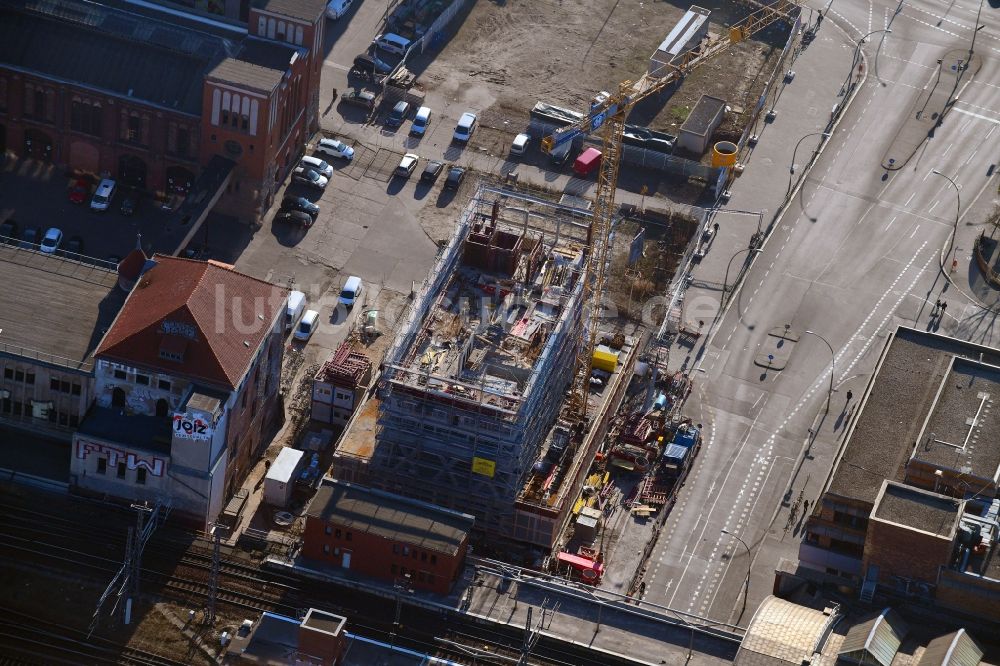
x=351 y=292
x=392 y=43
x=316 y=164
x=337 y=8
x=103 y=195
x=520 y=144
x=466 y=126
x=308 y=325
x=421 y=121
x=296 y=305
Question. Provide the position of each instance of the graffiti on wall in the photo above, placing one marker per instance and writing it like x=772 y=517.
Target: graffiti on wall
x=153 y=465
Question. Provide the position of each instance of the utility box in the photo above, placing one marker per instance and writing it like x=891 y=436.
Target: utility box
x=280 y=480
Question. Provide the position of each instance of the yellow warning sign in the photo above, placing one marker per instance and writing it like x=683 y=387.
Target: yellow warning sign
x=484 y=466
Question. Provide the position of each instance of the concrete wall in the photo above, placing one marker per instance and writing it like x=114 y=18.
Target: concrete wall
x=382 y=558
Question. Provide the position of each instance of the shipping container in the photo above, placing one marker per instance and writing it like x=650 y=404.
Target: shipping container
x=281 y=476
x=587 y=162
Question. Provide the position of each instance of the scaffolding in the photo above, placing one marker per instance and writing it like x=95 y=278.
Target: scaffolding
x=482 y=363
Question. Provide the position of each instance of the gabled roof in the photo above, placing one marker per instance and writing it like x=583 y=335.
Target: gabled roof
x=222 y=317
x=955 y=649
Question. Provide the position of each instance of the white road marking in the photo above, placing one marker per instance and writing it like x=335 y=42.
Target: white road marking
x=890 y=223
x=948 y=149
x=976 y=115
x=915 y=231
x=910 y=199
x=931 y=209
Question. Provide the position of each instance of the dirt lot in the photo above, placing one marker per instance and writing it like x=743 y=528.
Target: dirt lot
x=508 y=55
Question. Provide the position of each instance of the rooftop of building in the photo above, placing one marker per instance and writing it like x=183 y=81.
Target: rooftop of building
x=390 y=516
x=918 y=509
x=195 y=319
x=963 y=431
x=149 y=433
x=358 y=440
x=112 y=50
x=302 y=10
x=60 y=309
x=267 y=53
x=782 y=633
x=897 y=401
x=494 y=312
x=704 y=113
x=246 y=75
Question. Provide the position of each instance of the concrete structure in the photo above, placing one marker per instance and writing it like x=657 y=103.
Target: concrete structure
x=685 y=35
x=280 y=479
x=205 y=90
x=701 y=123
x=910 y=508
x=186 y=384
x=477 y=374
x=339 y=385
x=318 y=639
x=50 y=325
x=781 y=632
x=386 y=536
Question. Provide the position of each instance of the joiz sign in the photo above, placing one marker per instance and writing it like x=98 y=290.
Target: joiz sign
x=190 y=426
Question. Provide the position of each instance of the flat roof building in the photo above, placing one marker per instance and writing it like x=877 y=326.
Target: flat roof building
x=50 y=326
x=386 y=536
x=910 y=505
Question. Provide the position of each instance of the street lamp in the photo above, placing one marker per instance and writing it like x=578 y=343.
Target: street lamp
x=857 y=52
x=725 y=281
x=791 y=167
x=833 y=366
x=746 y=588
x=958 y=211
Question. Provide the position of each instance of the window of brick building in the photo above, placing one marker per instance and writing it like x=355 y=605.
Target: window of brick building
x=121 y=470
x=140 y=476
x=164 y=385
x=75 y=389
x=102 y=465
x=53 y=383
x=8 y=373
x=434 y=559
x=120 y=374
x=329 y=530
x=64 y=386
x=142 y=380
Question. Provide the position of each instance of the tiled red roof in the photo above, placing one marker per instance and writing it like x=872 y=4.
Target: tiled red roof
x=226 y=314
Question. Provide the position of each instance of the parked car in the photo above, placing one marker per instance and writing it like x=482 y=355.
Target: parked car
x=307 y=326
x=79 y=191
x=392 y=43
x=368 y=66
x=74 y=246
x=294 y=217
x=103 y=196
x=52 y=240
x=300 y=203
x=309 y=177
x=362 y=98
x=31 y=237
x=317 y=165
x=520 y=144
x=337 y=8
x=8 y=232
x=197 y=252
x=466 y=126
x=456 y=175
x=398 y=114
x=130 y=203
x=407 y=165
x=420 y=121
x=431 y=172
x=334 y=148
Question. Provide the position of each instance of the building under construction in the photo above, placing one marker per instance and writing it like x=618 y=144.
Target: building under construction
x=481 y=366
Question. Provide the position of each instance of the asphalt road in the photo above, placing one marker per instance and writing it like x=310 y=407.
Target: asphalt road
x=856 y=253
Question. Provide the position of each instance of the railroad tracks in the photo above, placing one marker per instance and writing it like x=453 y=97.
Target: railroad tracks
x=29 y=640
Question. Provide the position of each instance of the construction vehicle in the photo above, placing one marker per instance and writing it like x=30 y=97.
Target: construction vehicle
x=607 y=114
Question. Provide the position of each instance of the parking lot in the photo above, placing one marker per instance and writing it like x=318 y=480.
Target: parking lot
x=36 y=195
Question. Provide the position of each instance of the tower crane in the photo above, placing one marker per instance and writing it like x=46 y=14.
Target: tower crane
x=607 y=115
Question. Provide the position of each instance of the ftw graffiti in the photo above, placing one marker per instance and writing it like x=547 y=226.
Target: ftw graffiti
x=131 y=460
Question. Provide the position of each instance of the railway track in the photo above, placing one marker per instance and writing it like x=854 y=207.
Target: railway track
x=31 y=641
x=46 y=539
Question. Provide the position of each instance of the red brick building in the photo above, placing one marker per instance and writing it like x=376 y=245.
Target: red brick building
x=186 y=383
x=149 y=98
x=386 y=536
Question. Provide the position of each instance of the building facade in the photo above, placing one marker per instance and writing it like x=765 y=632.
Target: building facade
x=249 y=93
x=186 y=383
x=386 y=537
x=340 y=385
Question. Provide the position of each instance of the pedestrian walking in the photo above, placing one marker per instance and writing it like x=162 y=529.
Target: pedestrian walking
x=849 y=396
x=944 y=306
